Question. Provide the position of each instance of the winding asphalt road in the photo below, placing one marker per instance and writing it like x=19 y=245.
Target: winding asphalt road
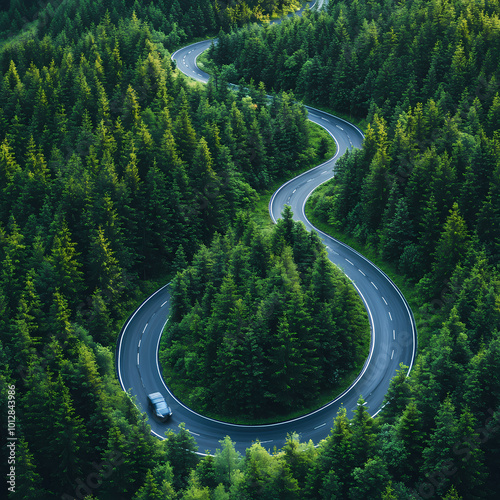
x=393 y=330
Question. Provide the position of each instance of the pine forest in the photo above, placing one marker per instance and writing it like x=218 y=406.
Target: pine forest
x=118 y=174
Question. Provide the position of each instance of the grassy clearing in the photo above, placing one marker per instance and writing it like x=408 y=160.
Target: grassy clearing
x=205 y=63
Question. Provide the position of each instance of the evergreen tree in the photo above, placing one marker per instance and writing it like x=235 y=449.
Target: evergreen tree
x=369 y=480
x=451 y=247
x=64 y=259
x=58 y=459
x=409 y=430
x=363 y=440
x=185 y=135
x=180 y=451
x=150 y=490
x=398 y=395
x=28 y=481
x=397 y=233
x=438 y=463
x=227 y=461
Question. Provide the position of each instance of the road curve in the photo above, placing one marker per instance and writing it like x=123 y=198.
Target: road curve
x=393 y=330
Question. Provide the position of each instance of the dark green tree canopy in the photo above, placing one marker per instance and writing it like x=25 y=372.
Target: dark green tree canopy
x=263 y=323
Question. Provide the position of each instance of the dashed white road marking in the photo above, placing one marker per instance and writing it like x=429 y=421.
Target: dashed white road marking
x=145 y=327
x=137 y=359
x=392 y=353
x=321 y=425
x=362 y=272
x=339 y=127
x=294 y=191
x=349 y=262
x=374 y=285
x=385 y=301
x=390 y=315
x=394 y=334
x=164 y=303
x=140 y=340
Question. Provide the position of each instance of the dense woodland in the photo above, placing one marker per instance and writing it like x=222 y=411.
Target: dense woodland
x=105 y=174
x=114 y=169
x=111 y=164
x=358 y=56
x=262 y=324
x=173 y=21
x=424 y=192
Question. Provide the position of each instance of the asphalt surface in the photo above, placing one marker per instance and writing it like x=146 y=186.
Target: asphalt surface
x=393 y=330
